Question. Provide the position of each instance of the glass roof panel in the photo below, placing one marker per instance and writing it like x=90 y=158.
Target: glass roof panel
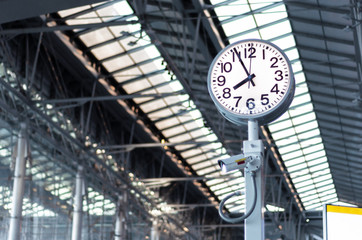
x=105 y=51
x=245 y=35
x=137 y=86
x=208 y=170
x=65 y=13
x=243 y=24
x=113 y=64
x=96 y=37
x=276 y=30
x=270 y=15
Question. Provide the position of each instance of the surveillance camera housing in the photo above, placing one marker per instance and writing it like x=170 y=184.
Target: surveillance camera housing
x=233 y=163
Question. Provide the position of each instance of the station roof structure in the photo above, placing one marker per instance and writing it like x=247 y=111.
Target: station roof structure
x=120 y=88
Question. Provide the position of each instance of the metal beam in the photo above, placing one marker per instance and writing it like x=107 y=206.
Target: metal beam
x=130 y=147
x=22 y=9
x=29 y=30
x=84 y=100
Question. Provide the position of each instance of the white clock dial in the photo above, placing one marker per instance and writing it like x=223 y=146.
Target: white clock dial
x=251 y=79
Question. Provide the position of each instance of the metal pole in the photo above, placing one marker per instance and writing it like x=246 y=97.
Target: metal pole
x=253 y=130
x=18 y=188
x=78 y=206
x=154 y=231
x=254 y=224
x=119 y=229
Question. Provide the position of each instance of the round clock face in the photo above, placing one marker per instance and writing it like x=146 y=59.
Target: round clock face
x=251 y=79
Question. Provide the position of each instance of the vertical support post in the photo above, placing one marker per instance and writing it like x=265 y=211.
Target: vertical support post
x=18 y=187
x=119 y=229
x=78 y=206
x=254 y=224
x=154 y=231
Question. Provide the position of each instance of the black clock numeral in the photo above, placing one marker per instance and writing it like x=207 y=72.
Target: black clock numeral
x=275 y=61
x=279 y=74
x=251 y=51
x=226 y=93
x=275 y=89
x=263 y=54
x=250 y=103
x=238 y=100
x=226 y=67
x=264 y=99
x=236 y=55
x=221 y=80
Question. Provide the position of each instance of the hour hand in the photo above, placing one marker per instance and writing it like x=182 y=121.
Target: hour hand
x=249 y=78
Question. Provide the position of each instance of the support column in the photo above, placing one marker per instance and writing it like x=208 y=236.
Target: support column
x=254 y=224
x=119 y=228
x=78 y=206
x=18 y=187
x=155 y=235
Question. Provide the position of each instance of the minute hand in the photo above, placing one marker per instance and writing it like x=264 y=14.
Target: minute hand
x=241 y=61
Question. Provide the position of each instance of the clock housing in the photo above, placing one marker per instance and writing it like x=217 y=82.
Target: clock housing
x=251 y=79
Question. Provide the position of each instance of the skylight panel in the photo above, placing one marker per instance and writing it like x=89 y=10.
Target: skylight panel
x=270 y=15
x=181 y=138
x=193 y=154
x=289 y=148
x=292 y=155
x=308 y=126
x=207 y=170
x=68 y=12
x=320 y=170
x=127 y=75
x=276 y=30
x=148 y=52
x=195 y=159
x=191 y=125
x=151 y=67
x=155 y=105
x=284 y=133
x=202 y=165
x=137 y=86
x=233 y=9
x=301 y=98
x=219 y=186
x=175 y=130
x=285 y=42
x=245 y=35
x=306 y=115
x=278 y=127
x=287 y=140
x=165 y=123
x=114 y=64
x=292 y=55
x=241 y=25
x=318 y=161
x=106 y=51
x=302 y=178
x=96 y=37
x=297 y=167
x=226 y=190
x=314 y=148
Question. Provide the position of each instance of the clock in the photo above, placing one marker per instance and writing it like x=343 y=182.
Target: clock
x=251 y=80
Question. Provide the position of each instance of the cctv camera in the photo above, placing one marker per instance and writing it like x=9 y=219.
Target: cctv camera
x=233 y=163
